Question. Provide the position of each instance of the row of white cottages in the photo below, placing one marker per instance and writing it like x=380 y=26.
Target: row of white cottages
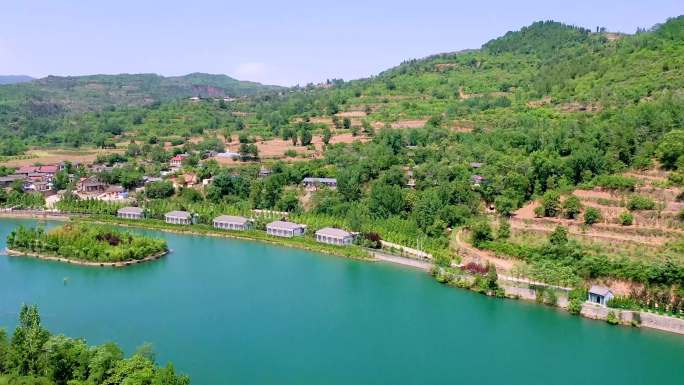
x=328 y=235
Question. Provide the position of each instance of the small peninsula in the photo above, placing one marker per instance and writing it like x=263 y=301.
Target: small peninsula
x=92 y=245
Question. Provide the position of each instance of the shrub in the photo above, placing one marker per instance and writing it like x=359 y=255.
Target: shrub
x=626 y=219
x=539 y=211
x=612 y=318
x=476 y=268
x=592 y=215
x=550 y=297
x=619 y=302
x=572 y=207
x=616 y=182
x=481 y=232
x=680 y=215
x=575 y=306
x=504 y=230
x=551 y=203
x=639 y=202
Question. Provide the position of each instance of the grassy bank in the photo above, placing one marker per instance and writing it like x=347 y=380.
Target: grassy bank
x=305 y=242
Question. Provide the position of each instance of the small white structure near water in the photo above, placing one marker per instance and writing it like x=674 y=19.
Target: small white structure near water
x=230 y=222
x=600 y=295
x=285 y=229
x=178 y=218
x=130 y=212
x=334 y=236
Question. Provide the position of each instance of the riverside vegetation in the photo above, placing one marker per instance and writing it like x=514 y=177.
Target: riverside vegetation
x=85 y=243
x=530 y=115
x=34 y=356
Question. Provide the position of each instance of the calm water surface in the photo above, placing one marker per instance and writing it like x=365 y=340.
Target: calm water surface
x=236 y=312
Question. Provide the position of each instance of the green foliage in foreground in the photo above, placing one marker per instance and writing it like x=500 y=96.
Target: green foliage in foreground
x=85 y=243
x=34 y=356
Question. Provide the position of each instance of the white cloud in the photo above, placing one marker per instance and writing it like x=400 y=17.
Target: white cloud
x=254 y=71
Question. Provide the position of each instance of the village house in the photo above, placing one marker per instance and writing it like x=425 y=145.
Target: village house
x=49 y=170
x=90 y=185
x=99 y=168
x=183 y=180
x=150 y=179
x=230 y=222
x=314 y=183
x=130 y=213
x=600 y=295
x=178 y=218
x=39 y=186
x=6 y=181
x=114 y=193
x=334 y=236
x=285 y=229
x=177 y=161
x=26 y=170
x=264 y=172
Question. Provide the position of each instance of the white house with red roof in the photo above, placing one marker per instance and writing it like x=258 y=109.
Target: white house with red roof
x=177 y=160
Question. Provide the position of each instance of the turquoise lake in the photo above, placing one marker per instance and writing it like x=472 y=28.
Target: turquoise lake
x=236 y=312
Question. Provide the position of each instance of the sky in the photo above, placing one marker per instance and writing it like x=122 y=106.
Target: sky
x=276 y=42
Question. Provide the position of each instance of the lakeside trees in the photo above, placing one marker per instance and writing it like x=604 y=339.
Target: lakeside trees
x=33 y=355
x=92 y=243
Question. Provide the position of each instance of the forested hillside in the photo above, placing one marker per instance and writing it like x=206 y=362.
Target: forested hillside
x=36 y=107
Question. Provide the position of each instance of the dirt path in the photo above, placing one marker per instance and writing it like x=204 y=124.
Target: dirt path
x=470 y=253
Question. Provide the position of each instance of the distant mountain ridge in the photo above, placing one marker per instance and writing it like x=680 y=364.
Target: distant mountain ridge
x=14 y=79
x=54 y=95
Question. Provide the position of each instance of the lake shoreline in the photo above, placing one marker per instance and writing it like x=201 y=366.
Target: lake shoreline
x=425 y=266
x=18 y=253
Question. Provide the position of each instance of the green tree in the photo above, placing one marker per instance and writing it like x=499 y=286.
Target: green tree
x=625 y=218
x=159 y=190
x=327 y=135
x=551 y=203
x=385 y=200
x=592 y=215
x=504 y=230
x=671 y=148
x=480 y=232
x=27 y=343
x=571 y=207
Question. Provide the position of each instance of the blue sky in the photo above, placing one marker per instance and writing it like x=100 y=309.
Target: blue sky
x=276 y=42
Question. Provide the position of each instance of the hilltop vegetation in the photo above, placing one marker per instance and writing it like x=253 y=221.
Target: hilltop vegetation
x=35 y=108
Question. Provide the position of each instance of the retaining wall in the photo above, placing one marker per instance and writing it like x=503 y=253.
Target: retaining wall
x=640 y=318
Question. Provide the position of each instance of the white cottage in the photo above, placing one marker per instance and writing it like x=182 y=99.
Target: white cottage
x=285 y=229
x=230 y=222
x=334 y=236
x=130 y=213
x=178 y=218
